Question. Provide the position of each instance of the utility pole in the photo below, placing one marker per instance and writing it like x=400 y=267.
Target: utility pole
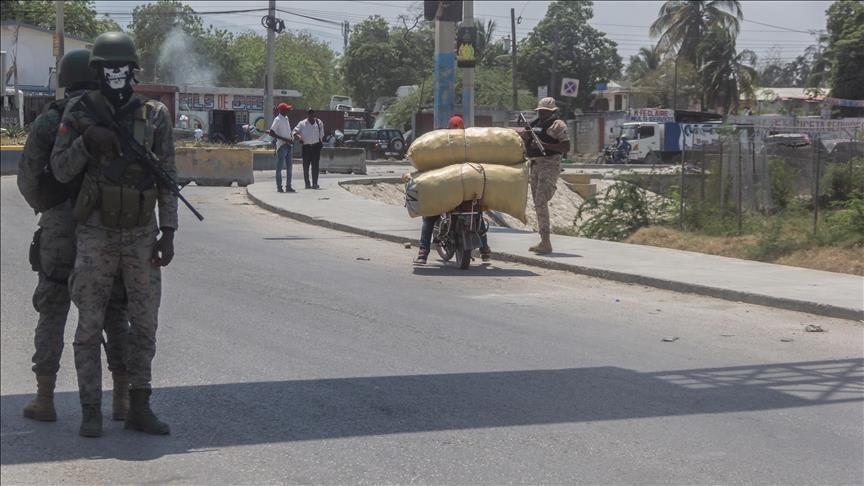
x=445 y=71
x=552 y=91
x=59 y=39
x=468 y=73
x=513 y=58
x=268 y=76
x=346 y=30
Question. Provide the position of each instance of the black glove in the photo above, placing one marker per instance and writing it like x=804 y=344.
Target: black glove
x=101 y=141
x=163 y=250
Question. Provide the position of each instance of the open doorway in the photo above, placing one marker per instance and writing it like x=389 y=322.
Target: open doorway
x=222 y=126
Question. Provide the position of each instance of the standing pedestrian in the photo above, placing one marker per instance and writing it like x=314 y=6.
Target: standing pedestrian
x=198 y=133
x=52 y=253
x=117 y=228
x=552 y=133
x=310 y=132
x=281 y=131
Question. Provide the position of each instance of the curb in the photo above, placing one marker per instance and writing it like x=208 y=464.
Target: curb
x=675 y=286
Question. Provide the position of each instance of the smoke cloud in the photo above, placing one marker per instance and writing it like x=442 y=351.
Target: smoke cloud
x=179 y=63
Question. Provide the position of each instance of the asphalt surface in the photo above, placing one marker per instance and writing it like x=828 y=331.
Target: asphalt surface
x=829 y=294
x=290 y=353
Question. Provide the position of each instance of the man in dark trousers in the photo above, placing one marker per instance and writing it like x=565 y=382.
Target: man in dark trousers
x=310 y=132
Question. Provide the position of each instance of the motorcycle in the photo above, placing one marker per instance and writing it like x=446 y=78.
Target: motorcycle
x=458 y=233
x=611 y=155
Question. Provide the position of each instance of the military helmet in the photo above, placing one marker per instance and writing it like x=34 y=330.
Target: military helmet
x=73 y=69
x=114 y=47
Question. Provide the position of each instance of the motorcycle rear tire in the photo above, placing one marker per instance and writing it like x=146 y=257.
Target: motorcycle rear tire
x=444 y=248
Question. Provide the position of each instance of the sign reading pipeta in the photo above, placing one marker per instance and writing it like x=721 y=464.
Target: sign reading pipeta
x=799 y=124
x=658 y=115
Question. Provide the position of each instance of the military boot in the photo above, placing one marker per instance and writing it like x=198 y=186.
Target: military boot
x=120 y=402
x=140 y=417
x=42 y=407
x=91 y=421
x=545 y=245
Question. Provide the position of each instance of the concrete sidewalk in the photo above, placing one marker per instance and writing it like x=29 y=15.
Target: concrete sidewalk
x=813 y=291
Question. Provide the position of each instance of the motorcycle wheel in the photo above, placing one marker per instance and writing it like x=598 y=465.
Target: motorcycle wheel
x=445 y=250
x=601 y=159
x=463 y=257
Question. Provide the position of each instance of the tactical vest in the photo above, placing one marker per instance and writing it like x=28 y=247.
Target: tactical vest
x=540 y=128
x=130 y=201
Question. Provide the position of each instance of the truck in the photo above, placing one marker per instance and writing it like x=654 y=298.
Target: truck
x=662 y=142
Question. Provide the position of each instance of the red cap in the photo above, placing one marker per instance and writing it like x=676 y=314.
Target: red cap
x=283 y=106
x=455 y=122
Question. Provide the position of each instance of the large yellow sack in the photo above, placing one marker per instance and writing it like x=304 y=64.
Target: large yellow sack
x=498 y=187
x=440 y=148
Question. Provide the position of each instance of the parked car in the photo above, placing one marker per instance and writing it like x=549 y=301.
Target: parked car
x=379 y=143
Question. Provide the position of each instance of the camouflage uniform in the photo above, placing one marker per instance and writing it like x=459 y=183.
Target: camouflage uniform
x=544 y=177
x=103 y=251
x=56 y=240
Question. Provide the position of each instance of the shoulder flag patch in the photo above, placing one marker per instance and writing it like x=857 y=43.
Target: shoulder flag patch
x=63 y=129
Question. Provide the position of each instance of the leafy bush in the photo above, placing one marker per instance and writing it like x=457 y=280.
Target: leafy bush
x=844 y=181
x=845 y=225
x=623 y=209
x=781 y=179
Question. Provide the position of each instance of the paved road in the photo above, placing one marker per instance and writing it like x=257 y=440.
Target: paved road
x=294 y=354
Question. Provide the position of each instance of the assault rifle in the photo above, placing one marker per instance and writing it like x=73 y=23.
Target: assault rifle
x=534 y=136
x=114 y=171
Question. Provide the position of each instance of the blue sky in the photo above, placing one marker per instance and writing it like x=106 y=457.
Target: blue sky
x=625 y=22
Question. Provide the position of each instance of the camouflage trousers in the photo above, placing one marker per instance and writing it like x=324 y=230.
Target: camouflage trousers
x=544 y=181
x=101 y=254
x=51 y=298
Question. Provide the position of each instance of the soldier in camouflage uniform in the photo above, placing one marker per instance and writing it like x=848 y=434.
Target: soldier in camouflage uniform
x=52 y=253
x=552 y=133
x=117 y=228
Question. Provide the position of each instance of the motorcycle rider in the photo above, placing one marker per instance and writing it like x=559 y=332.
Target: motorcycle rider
x=622 y=150
x=455 y=123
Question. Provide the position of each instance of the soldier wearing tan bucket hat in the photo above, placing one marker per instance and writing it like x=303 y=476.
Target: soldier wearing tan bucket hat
x=552 y=133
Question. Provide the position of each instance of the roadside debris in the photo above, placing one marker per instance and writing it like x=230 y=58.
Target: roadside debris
x=786 y=340
x=670 y=339
x=407 y=246
x=813 y=328
x=363 y=259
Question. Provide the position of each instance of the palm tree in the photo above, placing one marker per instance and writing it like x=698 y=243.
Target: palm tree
x=726 y=73
x=647 y=60
x=681 y=24
x=488 y=51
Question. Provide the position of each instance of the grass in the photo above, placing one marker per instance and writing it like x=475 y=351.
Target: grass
x=785 y=240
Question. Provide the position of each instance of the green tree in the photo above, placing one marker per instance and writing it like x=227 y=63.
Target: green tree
x=306 y=64
x=846 y=48
x=563 y=44
x=726 y=73
x=79 y=16
x=489 y=53
x=379 y=58
x=648 y=59
x=682 y=24
x=150 y=26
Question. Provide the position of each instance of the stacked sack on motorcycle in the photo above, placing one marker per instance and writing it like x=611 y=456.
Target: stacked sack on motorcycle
x=461 y=165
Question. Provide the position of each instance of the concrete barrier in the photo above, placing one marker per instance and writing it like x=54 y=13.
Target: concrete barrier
x=10 y=155
x=344 y=160
x=580 y=184
x=214 y=166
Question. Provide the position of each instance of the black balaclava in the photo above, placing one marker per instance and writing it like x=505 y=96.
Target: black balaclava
x=115 y=82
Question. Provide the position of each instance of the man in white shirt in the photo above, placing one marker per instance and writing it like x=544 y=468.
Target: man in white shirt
x=198 y=134
x=281 y=131
x=310 y=132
